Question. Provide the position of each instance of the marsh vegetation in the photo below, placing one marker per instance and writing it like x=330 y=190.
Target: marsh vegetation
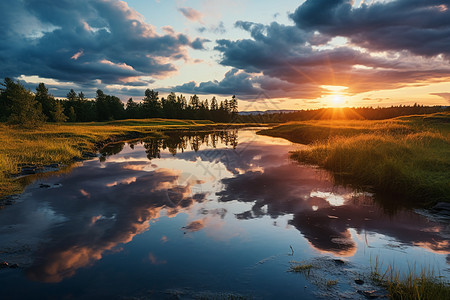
x=406 y=157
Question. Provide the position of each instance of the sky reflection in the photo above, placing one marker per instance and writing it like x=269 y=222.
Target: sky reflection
x=214 y=183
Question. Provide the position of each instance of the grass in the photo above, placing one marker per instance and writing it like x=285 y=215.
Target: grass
x=332 y=282
x=60 y=143
x=421 y=285
x=407 y=157
x=300 y=267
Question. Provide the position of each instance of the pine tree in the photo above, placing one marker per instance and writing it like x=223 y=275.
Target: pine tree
x=72 y=116
x=151 y=104
x=233 y=105
x=194 y=102
x=214 y=105
x=25 y=110
x=8 y=88
x=72 y=96
x=58 y=115
x=46 y=100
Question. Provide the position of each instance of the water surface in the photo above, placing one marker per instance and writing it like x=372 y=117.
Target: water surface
x=207 y=214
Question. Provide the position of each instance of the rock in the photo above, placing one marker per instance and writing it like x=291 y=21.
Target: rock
x=368 y=294
x=3 y=265
x=88 y=154
x=28 y=171
x=442 y=208
x=52 y=166
x=44 y=186
x=14 y=266
x=359 y=281
x=9 y=202
x=339 y=261
x=32 y=166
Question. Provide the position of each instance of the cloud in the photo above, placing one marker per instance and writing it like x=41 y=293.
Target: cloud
x=194 y=226
x=323 y=212
x=72 y=41
x=421 y=27
x=139 y=197
x=216 y=29
x=234 y=82
x=191 y=14
x=292 y=60
x=446 y=96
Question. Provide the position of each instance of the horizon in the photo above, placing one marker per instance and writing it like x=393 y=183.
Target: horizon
x=272 y=56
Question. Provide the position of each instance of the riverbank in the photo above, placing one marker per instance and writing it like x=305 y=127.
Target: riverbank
x=406 y=159
x=51 y=145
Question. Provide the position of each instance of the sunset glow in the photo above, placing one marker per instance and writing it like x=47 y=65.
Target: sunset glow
x=290 y=58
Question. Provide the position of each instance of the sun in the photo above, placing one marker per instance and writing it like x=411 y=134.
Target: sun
x=338 y=100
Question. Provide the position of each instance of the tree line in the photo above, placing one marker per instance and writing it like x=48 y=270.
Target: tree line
x=176 y=142
x=19 y=105
x=359 y=113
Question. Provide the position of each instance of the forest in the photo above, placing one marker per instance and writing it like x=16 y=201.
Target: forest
x=19 y=105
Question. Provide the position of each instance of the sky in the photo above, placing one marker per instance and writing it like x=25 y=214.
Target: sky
x=270 y=54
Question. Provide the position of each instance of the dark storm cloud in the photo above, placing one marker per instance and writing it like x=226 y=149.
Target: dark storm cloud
x=419 y=26
x=85 y=41
x=235 y=82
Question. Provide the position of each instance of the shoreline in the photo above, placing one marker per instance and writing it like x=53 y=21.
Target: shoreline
x=85 y=146
x=405 y=160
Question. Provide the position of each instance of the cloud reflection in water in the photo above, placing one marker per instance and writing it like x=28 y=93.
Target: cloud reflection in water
x=106 y=207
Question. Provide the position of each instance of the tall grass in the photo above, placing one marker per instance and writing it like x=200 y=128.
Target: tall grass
x=421 y=285
x=408 y=158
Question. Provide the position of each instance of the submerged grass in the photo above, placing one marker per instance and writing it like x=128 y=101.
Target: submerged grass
x=300 y=267
x=407 y=157
x=60 y=143
x=421 y=285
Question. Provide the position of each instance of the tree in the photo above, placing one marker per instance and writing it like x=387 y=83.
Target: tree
x=72 y=96
x=170 y=106
x=46 y=100
x=58 y=115
x=8 y=88
x=214 y=105
x=115 y=107
x=194 y=102
x=25 y=110
x=151 y=104
x=101 y=105
x=233 y=105
x=132 y=109
x=72 y=115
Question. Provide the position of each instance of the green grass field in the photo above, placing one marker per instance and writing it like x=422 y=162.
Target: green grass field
x=60 y=143
x=406 y=158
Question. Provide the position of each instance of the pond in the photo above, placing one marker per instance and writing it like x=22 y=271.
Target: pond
x=218 y=215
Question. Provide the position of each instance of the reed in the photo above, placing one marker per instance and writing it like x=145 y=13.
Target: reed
x=412 y=284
